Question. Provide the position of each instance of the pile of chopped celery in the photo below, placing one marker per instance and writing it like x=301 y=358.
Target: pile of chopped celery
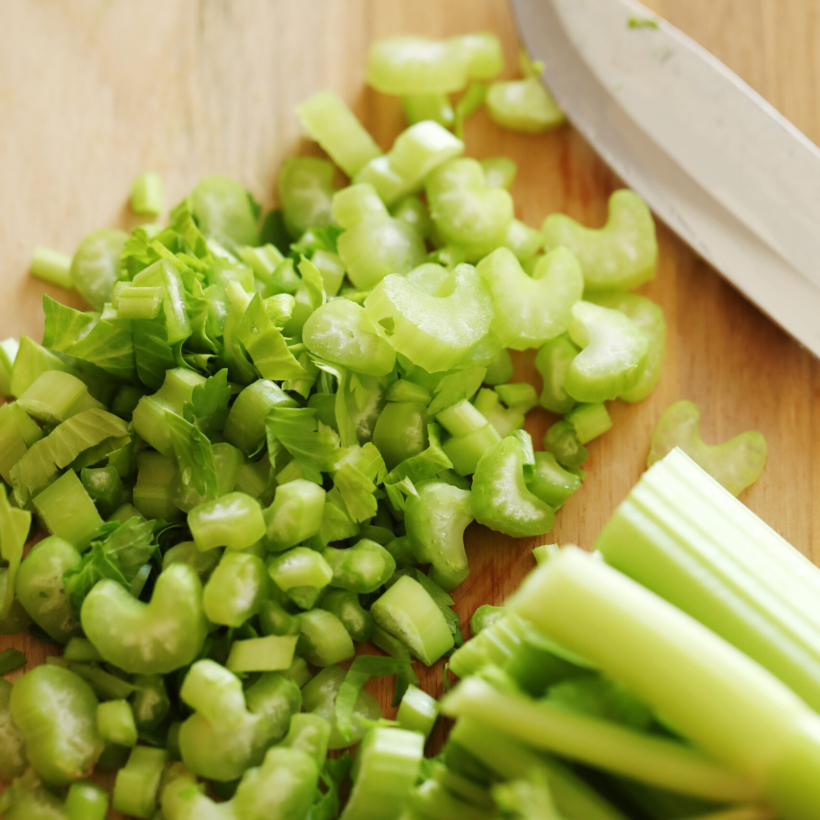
x=262 y=445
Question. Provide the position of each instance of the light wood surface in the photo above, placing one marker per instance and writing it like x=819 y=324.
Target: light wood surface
x=94 y=91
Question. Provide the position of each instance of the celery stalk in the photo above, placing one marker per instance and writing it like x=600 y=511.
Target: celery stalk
x=713 y=694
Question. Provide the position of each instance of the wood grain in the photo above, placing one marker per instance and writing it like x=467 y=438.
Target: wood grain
x=91 y=93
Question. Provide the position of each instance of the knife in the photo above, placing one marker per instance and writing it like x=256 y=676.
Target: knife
x=724 y=170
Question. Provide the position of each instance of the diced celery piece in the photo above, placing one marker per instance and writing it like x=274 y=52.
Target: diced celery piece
x=435 y=107
x=67 y=510
x=324 y=641
x=147 y=194
x=136 y=789
x=245 y=427
x=156 y=474
x=17 y=433
x=523 y=105
x=31 y=361
x=8 y=353
x=234 y=520
x=52 y=266
x=115 y=723
x=329 y=121
x=589 y=421
x=417 y=711
x=272 y=653
x=417 y=65
x=56 y=396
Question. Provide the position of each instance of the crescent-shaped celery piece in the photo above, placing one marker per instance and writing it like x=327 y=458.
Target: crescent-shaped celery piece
x=336 y=332
x=551 y=482
x=378 y=246
x=613 y=354
x=433 y=332
x=416 y=65
x=401 y=431
x=499 y=172
x=552 y=362
x=500 y=497
x=436 y=519
x=736 y=464
x=362 y=568
x=483 y=53
x=147 y=639
x=465 y=210
x=224 y=211
x=56 y=713
x=435 y=107
x=648 y=317
x=619 y=256
x=409 y=613
x=356 y=202
x=523 y=105
x=96 y=265
x=529 y=311
x=329 y=121
x=305 y=187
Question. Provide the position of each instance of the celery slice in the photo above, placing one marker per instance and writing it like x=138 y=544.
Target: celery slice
x=52 y=266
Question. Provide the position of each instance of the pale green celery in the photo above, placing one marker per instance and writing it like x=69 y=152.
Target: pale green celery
x=523 y=241
x=295 y=515
x=730 y=706
x=272 y=653
x=648 y=318
x=589 y=421
x=433 y=799
x=30 y=361
x=502 y=754
x=530 y=311
x=500 y=370
x=434 y=332
x=136 y=789
x=470 y=101
x=416 y=152
x=305 y=193
x=356 y=202
x=519 y=395
x=320 y=695
x=378 y=246
x=562 y=442
x=224 y=211
x=235 y=589
x=148 y=417
x=466 y=451
x=147 y=194
x=621 y=255
x=337 y=332
x=504 y=420
x=436 y=519
x=137 y=302
x=435 y=107
x=461 y=419
x=736 y=464
x=67 y=510
x=597 y=743
x=413 y=211
x=263 y=261
x=81 y=649
x=14 y=529
x=52 y=266
x=465 y=211
x=553 y=362
x=115 y=723
x=404 y=390
x=85 y=801
x=386 y=767
x=245 y=427
x=500 y=496
x=482 y=51
x=186 y=552
x=8 y=353
x=407 y=612
x=56 y=396
x=401 y=431
x=418 y=65
x=329 y=121
x=613 y=354
x=17 y=433
x=156 y=474
x=95 y=266
x=492 y=646
x=298 y=568
x=485 y=616
x=417 y=711
x=499 y=172
x=324 y=641
x=163 y=274
x=331 y=268
x=228 y=462
x=234 y=520
x=523 y=105
x=428 y=277
x=105 y=487
x=253 y=479
x=362 y=568
x=551 y=482
x=684 y=537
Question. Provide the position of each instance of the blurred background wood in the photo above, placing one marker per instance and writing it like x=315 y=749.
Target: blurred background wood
x=94 y=91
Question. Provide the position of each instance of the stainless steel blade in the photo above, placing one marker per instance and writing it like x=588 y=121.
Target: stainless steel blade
x=713 y=159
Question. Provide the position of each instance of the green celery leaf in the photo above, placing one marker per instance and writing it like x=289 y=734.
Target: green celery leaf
x=110 y=346
x=194 y=453
x=316 y=239
x=315 y=447
x=208 y=408
x=45 y=458
x=426 y=464
x=356 y=490
x=454 y=387
x=63 y=324
x=152 y=353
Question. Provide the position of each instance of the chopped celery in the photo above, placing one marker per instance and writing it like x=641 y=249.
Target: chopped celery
x=436 y=107
x=589 y=421
x=95 y=266
x=269 y=654
x=8 y=353
x=417 y=711
x=418 y=65
x=146 y=194
x=736 y=464
x=333 y=125
x=67 y=510
x=52 y=266
x=523 y=105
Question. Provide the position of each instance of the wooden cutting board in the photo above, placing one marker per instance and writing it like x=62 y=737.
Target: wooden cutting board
x=94 y=91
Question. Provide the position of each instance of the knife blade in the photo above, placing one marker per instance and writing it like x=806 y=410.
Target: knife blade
x=718 y=164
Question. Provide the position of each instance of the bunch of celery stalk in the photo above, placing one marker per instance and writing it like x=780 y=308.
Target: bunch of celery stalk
x=249 y=447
